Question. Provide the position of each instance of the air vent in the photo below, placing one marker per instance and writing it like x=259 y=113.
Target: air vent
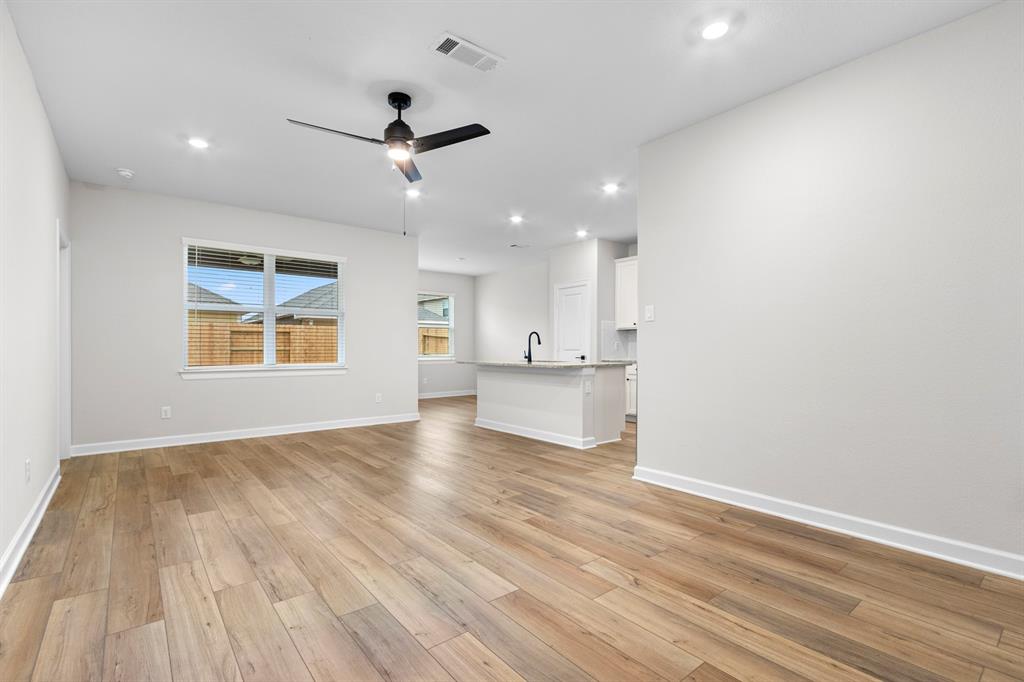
x=447 y=45
x=466 y=52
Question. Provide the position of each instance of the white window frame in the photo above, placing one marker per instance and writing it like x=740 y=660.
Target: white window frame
x=450 y=357
x=270 y=311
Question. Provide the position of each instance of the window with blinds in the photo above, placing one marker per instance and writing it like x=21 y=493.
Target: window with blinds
x=246 y=307
x=435 y=325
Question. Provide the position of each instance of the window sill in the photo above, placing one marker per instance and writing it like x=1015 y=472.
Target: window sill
x=248 y=372
x=438 y=360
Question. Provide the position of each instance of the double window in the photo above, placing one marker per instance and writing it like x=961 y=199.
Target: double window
x=248 y=307
x=435 y=326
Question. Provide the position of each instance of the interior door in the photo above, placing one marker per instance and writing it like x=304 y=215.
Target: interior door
x=572 y=321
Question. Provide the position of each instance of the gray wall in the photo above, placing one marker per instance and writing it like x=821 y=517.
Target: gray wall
x=446 y=376
x=33 y=197
x=127 y=320
x=837 y=273
x=509 y=305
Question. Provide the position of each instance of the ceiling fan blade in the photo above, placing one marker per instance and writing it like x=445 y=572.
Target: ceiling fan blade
x=372 y=140
x=409 y=170
x=453 y=136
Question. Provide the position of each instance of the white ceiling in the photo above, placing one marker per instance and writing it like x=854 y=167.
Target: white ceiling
x=126 y=83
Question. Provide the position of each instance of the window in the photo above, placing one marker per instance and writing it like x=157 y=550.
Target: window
x=247 y=307
x=436 y=326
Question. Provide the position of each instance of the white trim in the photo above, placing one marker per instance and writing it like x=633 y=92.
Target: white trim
x=15 y=550
x=447 y=394
x=536 y=434
x=947 y=549
x=436 y=359
x=256 y=432
x=235 y=246
x=269 y=309
x=251 y=371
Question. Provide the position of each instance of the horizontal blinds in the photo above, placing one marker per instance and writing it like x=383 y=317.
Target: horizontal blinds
x=304 y=283
x=231 y=319
x=309 y=327
x=224 y=311
x=221 y=277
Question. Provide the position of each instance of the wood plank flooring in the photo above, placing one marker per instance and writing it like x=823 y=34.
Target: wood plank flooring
x=439 y=551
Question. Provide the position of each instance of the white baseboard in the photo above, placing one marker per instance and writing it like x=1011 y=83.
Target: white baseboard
x=15 y=550
x=955 y=551
x=447 y=394
x=257 y=432
x=536 y=434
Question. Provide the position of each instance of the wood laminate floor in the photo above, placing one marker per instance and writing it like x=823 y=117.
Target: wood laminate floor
x=439 y=551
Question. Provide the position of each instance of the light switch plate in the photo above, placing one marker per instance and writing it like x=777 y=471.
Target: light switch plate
x=648 y=313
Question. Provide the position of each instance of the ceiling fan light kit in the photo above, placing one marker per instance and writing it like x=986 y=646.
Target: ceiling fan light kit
x=401 y=142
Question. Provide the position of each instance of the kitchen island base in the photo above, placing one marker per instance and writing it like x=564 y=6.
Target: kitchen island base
x=573 y=404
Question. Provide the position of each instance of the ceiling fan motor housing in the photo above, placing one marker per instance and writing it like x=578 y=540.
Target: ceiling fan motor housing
x=398 y=130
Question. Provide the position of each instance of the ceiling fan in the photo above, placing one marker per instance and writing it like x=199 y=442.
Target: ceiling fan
x=400 y=140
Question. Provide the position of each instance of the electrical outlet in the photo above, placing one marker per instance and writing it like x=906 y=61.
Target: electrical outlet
x=379 y=398
x=426 y=380
x=28 y=470
x=648 y=313
x=165 y=412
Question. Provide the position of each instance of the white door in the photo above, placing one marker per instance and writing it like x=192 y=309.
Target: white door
x=572 y=321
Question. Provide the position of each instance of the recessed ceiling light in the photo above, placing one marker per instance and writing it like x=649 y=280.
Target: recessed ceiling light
x=461 y=258
x=581 y=233
x=610 y=188
x=412 y=192
x=515 y=219
x=126 y=173
x=715 y=30
x=198 y=142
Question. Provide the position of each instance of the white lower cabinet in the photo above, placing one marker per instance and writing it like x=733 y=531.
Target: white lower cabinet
x=631 y=390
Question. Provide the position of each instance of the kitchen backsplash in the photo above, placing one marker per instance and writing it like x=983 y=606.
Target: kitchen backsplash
x=616 y=344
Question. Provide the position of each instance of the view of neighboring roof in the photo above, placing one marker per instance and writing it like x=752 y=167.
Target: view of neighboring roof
x=432 y=308
x=198 y=294
x=427 y=315
x=324 y=296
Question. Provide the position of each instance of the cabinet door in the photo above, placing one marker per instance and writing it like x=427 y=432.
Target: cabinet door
x=627 y=305
x=631 y=394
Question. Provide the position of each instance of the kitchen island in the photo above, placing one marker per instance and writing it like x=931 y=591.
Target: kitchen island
x=579 y=404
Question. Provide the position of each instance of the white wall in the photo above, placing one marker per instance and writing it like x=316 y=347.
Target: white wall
x=592 y=261
x=33 y=197
x=447 y=377
x=612 y=344
x=509 y=305
x=569 y=264
x=127 y=321
x=837 y=271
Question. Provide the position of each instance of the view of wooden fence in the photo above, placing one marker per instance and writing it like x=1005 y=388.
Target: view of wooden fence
x=215 y=343
x=433 y=341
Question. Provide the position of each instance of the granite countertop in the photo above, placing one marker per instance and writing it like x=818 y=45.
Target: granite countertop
x=547 y=364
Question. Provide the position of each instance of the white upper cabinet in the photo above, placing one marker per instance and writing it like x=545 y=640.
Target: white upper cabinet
x=627 y=296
